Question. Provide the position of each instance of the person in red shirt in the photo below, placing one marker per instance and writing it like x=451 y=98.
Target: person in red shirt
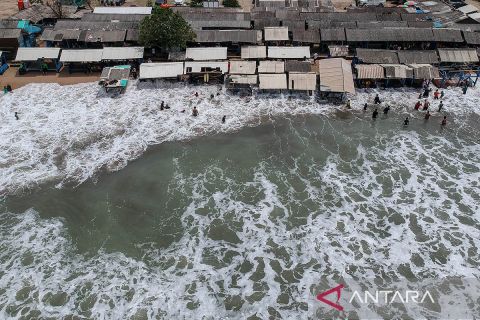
x=418 y=105
x=436 y=94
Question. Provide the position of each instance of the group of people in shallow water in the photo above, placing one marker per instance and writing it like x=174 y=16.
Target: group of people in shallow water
x=195 y=113
x=425 y=106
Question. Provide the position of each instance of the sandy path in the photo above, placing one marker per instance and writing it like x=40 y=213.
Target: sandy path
x=12 y=78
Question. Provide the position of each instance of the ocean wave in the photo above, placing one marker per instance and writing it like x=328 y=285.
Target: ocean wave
x=69 y=134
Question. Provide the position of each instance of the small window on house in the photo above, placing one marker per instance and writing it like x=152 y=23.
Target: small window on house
x=189 y=69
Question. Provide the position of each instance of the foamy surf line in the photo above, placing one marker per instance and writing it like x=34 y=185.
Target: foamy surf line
x=68 y=134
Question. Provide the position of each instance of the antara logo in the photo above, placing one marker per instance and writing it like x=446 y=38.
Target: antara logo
x=338 y=290
x=385 y=297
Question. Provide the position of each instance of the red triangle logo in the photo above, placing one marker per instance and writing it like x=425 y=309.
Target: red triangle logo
x=338 y=290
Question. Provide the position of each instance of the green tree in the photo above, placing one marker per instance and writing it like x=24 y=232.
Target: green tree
x=165 y=29
x=196 y=3
x=231 y=3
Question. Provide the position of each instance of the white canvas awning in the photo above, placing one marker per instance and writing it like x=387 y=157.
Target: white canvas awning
x=289 y=52
x=205 y=66
x=206 y=54
x=254 y=52
x=161 y=70
x=276 y=33
x=302 y=81
x=123 y=10
x=370 y=71
x=83 y=55
x=122 y=53
x=33 y=54
x=425 y=71
x=273 y=80
x=336 y=75
x=243 y=67
x=397 y=71
x=458 y=55
x=468 y=9
x=243 y=78
x=271 y=67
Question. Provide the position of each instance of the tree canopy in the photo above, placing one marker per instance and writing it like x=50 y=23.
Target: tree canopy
x=231 y=3
x=165 y=29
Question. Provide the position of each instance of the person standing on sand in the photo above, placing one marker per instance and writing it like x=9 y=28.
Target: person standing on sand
x=406 y=121
x=16 y=116
x=444 y=121
x=442 y=94
x=223 y=119
x=194 y=112
x=377 y=100
x=436 y=94
x=365 y=106
x=196 y=94
x=427 y=115
x=348 y=104
x=375 y=114
x=440 y=106
x=465 y=88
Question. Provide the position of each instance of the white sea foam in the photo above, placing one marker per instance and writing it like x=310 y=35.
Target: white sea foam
x=70 y=133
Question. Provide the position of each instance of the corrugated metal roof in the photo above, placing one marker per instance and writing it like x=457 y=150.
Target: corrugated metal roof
x=298 y=66
x=306 y=36
x=381 y=24
x=302 y=81
x=205 y=54
x=111 y=17
x=471 y=37
x=377 y=56
x=458 y=55
x=338 y=51
x=336 y=75
x=425 y=71
x=238 y=24
x=288 y=52
x=447 y=35
x=254 y=52
x=202 y=66
x=33 y=54
x=276 y=33
x=237 y=36
x=103 y=36
x=332 y=34
x=422 y=57
x=122 y=53
x=10 y=33
x=397 y=71
x=243 y=67
x=271 y=67
x=82 y=55
x=133 y=35
x=122 y=10
x=161 y=70
x=370 y=71
x=273 y=80
x=391 y=35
